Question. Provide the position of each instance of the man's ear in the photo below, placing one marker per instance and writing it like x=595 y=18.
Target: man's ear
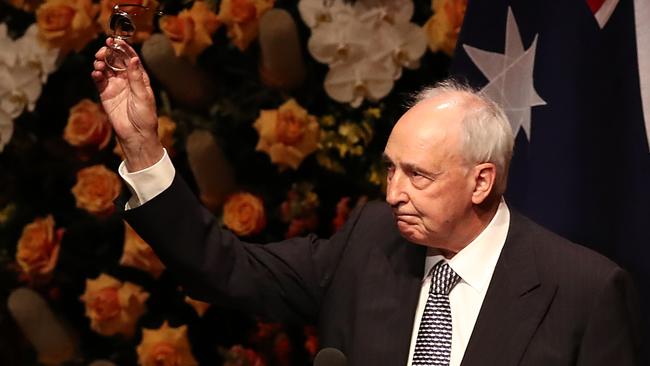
x=485 y=175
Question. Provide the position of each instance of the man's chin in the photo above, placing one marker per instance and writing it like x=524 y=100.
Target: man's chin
x=411 y=234
x=415 y=237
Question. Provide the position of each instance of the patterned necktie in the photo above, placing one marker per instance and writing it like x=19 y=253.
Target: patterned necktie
x=433 y=345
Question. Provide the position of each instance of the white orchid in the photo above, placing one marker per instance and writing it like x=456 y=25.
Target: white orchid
x=366 y=45
x=25 y=65
x=354 y=82
x=390 y=11
x=32 y=52
x=317 y=12
x=9 y=54
x=339 y=42
x=20 y=88
x=6 y=129
x=403 y=46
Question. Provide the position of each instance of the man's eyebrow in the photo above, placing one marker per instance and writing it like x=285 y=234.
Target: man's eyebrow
x=417 y=168
x=407 y=166
x=385 y=159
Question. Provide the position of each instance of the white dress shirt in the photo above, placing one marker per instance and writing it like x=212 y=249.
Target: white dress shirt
x=147 y=183
x=474 y=264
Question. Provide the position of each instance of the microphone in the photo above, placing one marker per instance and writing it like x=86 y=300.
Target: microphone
x=330 y=357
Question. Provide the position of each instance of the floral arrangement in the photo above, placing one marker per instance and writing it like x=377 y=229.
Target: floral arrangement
x=275 y=111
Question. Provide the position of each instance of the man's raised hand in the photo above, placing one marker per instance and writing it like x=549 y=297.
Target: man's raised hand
x=129 y=101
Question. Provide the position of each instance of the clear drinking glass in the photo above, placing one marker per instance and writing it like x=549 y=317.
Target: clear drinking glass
x=122 y=23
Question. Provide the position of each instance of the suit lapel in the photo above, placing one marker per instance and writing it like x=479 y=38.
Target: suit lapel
x=514 y=305
x=407 y=264
x=385 y=296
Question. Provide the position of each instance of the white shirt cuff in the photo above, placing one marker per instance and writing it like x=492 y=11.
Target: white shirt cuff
x=147 y=183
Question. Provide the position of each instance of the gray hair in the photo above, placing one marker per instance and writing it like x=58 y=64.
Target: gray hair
x=487 y=135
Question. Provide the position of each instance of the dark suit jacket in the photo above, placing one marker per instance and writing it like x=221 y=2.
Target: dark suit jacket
x=550 y=302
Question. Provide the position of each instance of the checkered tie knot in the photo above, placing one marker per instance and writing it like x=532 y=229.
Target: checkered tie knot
x=433 y=345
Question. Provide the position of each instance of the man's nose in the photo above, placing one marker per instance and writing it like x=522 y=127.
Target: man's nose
x=395 y=193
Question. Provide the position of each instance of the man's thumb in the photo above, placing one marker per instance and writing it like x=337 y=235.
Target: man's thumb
x=135 y=75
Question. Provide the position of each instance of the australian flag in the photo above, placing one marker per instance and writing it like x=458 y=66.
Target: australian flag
x=574 y=79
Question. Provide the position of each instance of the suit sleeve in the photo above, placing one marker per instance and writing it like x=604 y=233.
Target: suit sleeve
x=612 y=335
x=284 y=281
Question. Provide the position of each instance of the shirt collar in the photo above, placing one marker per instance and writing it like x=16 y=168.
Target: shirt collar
x=475 y=263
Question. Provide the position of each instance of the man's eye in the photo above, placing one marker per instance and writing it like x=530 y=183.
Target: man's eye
x=390 y=170
x=420 y=180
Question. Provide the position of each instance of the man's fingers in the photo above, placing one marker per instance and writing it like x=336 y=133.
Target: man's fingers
x=100 y=80
x=138 y=81
x=99 y=65
x=145 y=77
x=98 y=76
x=101 y=54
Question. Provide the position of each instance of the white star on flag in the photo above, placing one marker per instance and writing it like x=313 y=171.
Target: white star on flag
x=510 y=76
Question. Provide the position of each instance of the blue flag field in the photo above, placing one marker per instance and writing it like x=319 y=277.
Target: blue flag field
x=572 y=76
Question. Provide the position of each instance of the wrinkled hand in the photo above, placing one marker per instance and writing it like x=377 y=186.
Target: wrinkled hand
x=129 y=101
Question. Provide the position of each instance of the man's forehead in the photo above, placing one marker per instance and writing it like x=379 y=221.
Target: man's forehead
x=415 y=149
x=427 y=126
x=433 y=115
x=425 y=133
x=442 y=101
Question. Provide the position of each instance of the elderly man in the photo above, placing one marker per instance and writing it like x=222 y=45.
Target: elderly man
x=444 y=274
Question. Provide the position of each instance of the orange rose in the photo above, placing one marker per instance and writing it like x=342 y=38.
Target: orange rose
x=287 y=134
x=95 y=190
x=242 y=18
x=143 y=20
x=38 y=248
x=443 y=27
x=165 y=346
x=113 y=307
x=138 y=254
x=88 y=126
x=166 y=130
x=191 y=30
x=67 y=24
x=243 y=213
